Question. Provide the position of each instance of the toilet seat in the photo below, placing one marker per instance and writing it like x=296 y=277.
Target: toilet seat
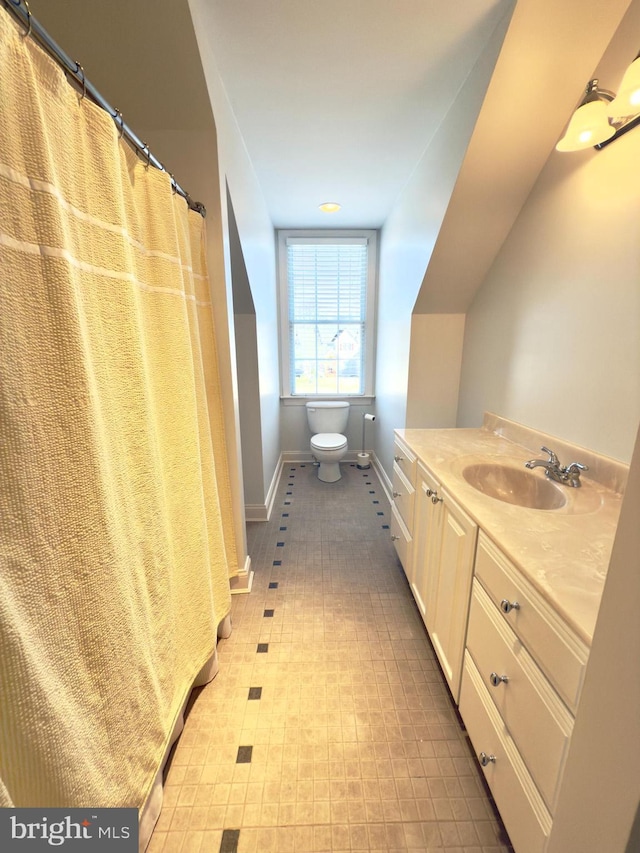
x=328 y=441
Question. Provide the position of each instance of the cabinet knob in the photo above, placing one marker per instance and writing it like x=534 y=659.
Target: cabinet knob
x=435 y=499
x=396 y=494
x=507 y=606
x=429 y=492
x=496 y=680
x=399 y=458
x=486 y=759
x=394 y=538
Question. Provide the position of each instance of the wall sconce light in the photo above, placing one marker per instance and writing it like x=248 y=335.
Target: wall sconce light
x=602 y=116
x=589 y=125
x=627 y=101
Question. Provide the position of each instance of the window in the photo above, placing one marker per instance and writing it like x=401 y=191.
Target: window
x=327 y=297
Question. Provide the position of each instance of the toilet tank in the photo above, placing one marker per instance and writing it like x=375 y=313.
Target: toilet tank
x=328 y=416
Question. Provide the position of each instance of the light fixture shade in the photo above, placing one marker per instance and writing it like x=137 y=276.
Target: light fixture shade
x=589 y=126
x=330 y=207
x=627 y=101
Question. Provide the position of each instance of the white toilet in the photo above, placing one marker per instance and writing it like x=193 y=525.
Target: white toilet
x=327 y=422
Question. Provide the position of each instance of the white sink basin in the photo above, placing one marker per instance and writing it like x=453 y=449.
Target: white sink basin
x=514 y=486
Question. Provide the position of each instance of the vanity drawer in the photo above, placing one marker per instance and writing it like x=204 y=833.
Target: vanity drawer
x=401 y=539
x=560 y=654
x=523 y=812
x=537 y=720
x=403 y=494
x=405 y=459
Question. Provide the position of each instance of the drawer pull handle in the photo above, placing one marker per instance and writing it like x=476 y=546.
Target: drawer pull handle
x=435 y=499
x=507 y=606
x=496 y=680
x=397 y=494
x=399 y=458
x=429 y=492
x=486 y=759
x=394 y=538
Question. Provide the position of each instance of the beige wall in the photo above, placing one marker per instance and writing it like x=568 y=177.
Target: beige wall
x=548 y=55
x=249 y=408
x=257 y=240
x=434 y=370
x=244 y=321
x=553 y=336
x=407 y=240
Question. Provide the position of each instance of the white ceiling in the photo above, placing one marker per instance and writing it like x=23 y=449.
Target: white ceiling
x=337 y=100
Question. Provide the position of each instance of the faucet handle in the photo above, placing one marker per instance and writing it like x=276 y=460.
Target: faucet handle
x=571 y=474
x=576 y=467
x=553 y=459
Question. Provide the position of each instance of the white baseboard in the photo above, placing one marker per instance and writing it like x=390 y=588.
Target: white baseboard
x=243 y=581
x=262 y=512
x=255 y=512
x=296 y=456
x=273 y=488
x=306 y=457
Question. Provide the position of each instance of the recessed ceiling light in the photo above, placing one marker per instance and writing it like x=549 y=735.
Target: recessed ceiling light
x=330 y=207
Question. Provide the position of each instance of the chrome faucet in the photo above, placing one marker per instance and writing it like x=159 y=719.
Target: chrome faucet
x=551 y=463
x=569 y=475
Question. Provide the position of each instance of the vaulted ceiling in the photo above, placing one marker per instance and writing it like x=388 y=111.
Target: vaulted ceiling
x=337 y=101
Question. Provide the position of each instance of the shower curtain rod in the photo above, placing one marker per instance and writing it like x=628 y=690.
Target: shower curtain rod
x=20 y=9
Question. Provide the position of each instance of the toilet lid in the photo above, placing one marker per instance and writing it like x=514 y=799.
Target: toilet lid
x=328 y=441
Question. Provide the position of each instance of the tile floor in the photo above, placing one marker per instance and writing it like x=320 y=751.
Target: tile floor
x=329 y=726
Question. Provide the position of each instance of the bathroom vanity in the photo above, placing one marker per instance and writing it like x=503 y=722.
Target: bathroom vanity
x=507 y=570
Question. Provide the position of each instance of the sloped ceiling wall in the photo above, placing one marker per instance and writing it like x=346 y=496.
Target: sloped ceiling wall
x=549 y=54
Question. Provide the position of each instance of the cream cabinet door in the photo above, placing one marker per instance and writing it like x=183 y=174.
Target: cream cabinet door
x=449 y=588
x=426 y=538
x=402 y=540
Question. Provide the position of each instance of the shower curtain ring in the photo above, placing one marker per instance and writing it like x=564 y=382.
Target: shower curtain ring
x=173 y=184
x=80 y=70
x=145 y=148
x=118 y=118
x=28 y=32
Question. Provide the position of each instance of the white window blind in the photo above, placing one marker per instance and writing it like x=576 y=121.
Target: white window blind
x=327 y=304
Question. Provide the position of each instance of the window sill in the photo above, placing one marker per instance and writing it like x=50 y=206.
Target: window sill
x=300 y=400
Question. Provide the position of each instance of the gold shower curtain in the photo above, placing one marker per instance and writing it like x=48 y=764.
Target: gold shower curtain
x=116 y=538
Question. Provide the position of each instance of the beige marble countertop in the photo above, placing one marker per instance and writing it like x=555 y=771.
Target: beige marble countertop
x=563 y=552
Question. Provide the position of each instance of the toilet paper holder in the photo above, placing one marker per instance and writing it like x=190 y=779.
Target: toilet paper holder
x=364 y=459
